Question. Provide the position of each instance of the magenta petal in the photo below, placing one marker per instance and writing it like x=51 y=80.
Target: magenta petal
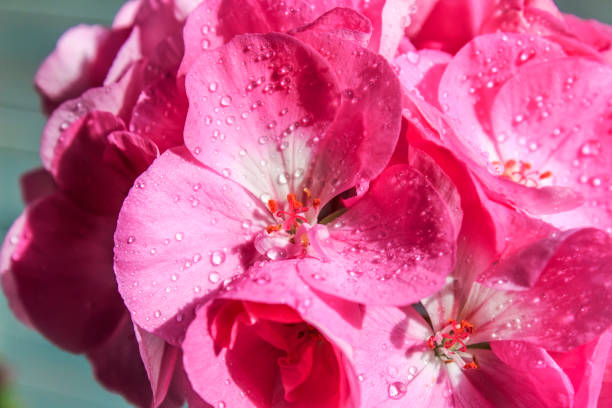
x=36 y=184
x=117 y=365
x=516 y=374
x=360 y=142
x=182 y=231
x=159 y=360
x=585 y=366
x=395 y=246
x=61 y=271
x=116 y=98
x=572 y=141
x=9 y=285
x=96 y=162
x=80 y=60
x=160 y=114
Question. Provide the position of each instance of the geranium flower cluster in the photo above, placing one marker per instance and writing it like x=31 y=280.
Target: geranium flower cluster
x=326 y=204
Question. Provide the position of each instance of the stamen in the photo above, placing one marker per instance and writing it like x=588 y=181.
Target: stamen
x=272 y=205
x=316 y=202
x=273 y=228
x=451 y=346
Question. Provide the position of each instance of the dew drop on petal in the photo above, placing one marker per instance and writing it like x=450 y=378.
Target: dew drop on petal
x=226 y=100
x=396 y=390
x=131 y=239
x=213 y=86
x=217 y=258
x=213 y=277
x=178 y=236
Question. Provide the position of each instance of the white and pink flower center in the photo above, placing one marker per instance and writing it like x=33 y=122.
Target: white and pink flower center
x=450 y=344
x=295 y=232
x=522 y=172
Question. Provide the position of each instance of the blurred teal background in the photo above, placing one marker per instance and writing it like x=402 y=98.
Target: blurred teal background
x=44 y=376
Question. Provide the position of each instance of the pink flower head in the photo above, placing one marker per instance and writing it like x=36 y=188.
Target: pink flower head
x=275 y=131
x=523 y=132
x=273 y=344
x=486 y=346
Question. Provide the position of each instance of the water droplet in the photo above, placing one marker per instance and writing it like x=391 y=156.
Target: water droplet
x=178 y=236
x=205 y=44
x=276 y=253
x=131 y=239
x=221 y=404
x=246 y=224
x=214 y=277
x=230 y=120
x=262 y=140
x=397 y=390
x=217 y=258
x=226 y=100
x=283 y=146
x=157 y=314
x=213 y=86
x=282 y=178
x=174 y=277
x=226 y=172
x=197 y=258
x=591 y=148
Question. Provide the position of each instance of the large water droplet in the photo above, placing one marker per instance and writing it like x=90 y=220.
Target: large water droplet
x=397 y=390
x=217 y=258
x=226 y=100
x=591 y=148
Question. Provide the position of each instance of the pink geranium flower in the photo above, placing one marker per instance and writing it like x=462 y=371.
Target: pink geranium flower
x=501 y=111
x=275 y=133
x=284 y=329
x=489 y=347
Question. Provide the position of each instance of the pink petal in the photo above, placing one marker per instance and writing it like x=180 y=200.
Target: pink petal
x=394 y=364
x=214 y=23
x=605 y=398
x=96 y=162
x=182 y=231
x=160 y=114
x=585 y=366
x=276 y=282
x=117 y=365
x=344 y=23
x=361 y=140
x=569 y=305
x=598 y=35
x=396 y=245
x=266 y=138
x=117 y=98
x=420 y=72
x=570 y=145
x=516 y=374
x=61 y=271
x=82 y=57
x=475 y=75
x=159 y=360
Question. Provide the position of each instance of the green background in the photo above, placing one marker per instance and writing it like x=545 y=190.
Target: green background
x=42 y=375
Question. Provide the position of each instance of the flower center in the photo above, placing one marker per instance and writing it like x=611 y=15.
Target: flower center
x=522 y=172
x=450 y=344
x=297 y=213
x=292 y=235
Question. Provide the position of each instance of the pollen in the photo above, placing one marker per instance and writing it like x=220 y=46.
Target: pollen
x=450 y=344
x=296 y=213
x=522 y=172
